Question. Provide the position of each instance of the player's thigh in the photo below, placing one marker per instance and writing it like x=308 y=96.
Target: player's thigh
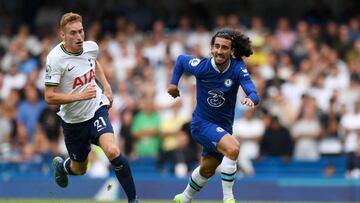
x=207 y=134
x=108 y=145
x=77 y=140
x=101 y=125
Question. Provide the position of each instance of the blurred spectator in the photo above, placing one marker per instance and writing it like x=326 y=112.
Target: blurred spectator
x=11 y=56
x=284 y=34
x=276 y=141
x=248 y=130
x=353 y=161
x=349 y=95
x=293 y=92
x=306 y=132
x=330 y=141
x=350 y=123
x=354 y=29
x=257 y=31
x=5 y=131
x=146 y=129
x=187 y=152
x=170 y=126
x=199 y=38
x=27 y=64
x=29 y=111
x=281 y=107
x=28 y=41
x=13 y=80
x=48 y=128
x=126 y=136
x=329 y=170
x=97 y=163
x=302 y=32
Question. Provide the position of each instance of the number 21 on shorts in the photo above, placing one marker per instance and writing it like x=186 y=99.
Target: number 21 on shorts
x=100 y=123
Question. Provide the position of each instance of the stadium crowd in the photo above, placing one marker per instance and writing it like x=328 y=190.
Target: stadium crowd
x=307 y=75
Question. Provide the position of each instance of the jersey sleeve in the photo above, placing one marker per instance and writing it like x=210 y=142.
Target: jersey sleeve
x=53 y=72
x=94 y=47
x=247 y=85
x=185 y=63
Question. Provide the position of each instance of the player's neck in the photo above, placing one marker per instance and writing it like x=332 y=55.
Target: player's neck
x=220 y=67
x=223 y=67
x=72 y=50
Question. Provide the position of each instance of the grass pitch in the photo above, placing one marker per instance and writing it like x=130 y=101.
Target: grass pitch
x=85 y=201
x=141 y=201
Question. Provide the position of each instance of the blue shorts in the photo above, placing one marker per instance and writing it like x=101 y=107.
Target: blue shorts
x=80 y=136
x=208 y=135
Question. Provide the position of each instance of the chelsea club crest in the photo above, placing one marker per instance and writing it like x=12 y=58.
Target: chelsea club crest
x=228 y=82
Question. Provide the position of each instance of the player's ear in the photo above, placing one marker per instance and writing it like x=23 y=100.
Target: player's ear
x=62 y=34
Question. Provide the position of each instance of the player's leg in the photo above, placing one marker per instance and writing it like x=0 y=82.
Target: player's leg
x=208 y=135
x=198 y=178
x=77 y=144
x=229 y=147
x=120 y=164
x=103 y=135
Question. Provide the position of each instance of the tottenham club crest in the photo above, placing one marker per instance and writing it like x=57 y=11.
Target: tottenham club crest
x=228 y=82
x=48 y=69
x=194 y=62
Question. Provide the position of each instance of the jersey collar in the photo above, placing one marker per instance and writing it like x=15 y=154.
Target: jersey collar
x=216 y=68
x=70 y=53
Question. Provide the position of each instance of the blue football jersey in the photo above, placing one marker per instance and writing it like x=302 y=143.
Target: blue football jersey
x=216 y=91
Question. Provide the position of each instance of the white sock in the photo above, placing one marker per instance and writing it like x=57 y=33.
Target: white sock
x=196 y=182
x=228 y=171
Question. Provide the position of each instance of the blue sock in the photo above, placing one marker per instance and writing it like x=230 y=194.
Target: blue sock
x=123 y=174
x=64 y=168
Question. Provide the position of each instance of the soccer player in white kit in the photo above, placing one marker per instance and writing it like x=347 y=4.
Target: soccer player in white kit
x=71 y=70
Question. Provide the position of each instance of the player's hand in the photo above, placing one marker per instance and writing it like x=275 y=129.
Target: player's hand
x=248 y=102
x=173 y=91
x=109 y=95
x=89 y=92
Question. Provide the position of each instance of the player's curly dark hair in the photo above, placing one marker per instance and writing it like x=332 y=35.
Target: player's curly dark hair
x=239 y=42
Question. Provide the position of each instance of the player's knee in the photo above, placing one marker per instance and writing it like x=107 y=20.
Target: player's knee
x=206 y=172
x=233 y=152
x=112 y=151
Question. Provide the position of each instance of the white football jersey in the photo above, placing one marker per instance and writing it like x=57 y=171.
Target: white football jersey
x=73 y=72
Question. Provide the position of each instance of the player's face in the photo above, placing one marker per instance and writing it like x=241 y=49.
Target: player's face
x=73 y=36
x=221 y=51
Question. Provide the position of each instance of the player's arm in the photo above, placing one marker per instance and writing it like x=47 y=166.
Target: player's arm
x=249 y=88
x=100 y=76
x=183 y=63
x=54 y=97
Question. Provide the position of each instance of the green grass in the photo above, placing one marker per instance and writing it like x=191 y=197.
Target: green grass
x=85 y=201
x=142 y=201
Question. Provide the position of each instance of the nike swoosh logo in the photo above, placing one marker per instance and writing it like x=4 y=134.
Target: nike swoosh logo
x=69 y=69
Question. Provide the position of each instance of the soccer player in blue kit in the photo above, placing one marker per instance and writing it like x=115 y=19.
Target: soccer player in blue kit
x=217 y=82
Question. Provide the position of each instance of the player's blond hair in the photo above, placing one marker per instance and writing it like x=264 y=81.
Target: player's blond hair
x=68 y=18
